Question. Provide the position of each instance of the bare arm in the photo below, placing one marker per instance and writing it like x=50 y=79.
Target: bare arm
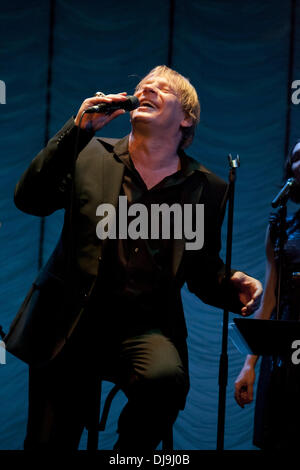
x=245 y=381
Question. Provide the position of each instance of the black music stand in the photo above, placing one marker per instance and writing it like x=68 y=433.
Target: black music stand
x=265 y=337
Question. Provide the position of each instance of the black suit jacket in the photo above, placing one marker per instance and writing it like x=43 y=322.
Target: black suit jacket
x=59 y=295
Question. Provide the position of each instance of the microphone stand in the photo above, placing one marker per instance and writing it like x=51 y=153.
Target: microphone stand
x=282 y=211
x=223 y=366
x=282 y=236
x=281 y=200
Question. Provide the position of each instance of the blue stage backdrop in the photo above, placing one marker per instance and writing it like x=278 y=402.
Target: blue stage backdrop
x=241 y=57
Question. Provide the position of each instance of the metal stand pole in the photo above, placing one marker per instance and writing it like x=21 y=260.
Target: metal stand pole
x=282 y=238
x=223 y=367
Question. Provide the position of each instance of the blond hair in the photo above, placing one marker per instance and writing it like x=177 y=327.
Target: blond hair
x=187 y=96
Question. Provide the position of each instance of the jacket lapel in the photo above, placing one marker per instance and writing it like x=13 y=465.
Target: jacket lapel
x=113 y=171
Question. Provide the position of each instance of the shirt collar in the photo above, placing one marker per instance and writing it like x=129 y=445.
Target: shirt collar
x=188 y=165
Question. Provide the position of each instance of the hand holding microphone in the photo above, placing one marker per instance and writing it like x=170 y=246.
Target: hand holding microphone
x=101 y=109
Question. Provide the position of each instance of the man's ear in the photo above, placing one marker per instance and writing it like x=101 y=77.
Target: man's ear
x=186 y=122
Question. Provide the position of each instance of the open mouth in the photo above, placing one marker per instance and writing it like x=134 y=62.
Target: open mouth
x=146 y=104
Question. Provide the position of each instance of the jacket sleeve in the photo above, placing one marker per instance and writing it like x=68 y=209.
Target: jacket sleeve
x=205 y=269
x=44 y=186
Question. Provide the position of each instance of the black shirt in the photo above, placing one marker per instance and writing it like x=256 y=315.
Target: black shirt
x=138 y=276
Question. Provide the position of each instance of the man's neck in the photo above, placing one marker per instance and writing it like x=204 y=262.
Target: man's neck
x=153 y=155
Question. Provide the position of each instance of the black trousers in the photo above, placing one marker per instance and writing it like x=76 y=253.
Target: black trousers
x=151 y=370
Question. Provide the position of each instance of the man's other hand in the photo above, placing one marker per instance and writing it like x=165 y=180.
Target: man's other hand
x=250 y=291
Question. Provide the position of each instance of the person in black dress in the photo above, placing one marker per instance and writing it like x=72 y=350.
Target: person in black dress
x=277 y=409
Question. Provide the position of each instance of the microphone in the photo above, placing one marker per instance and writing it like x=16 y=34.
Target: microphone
x=284 y=193
x=108 y=108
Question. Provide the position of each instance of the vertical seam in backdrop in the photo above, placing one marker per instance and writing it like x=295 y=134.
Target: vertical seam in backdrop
x=171 y=32
x=290 y=78
x=47 y=115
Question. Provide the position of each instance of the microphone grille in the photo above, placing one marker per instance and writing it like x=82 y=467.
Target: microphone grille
x=131 y=103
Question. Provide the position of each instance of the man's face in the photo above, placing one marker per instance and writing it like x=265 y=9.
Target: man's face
x=160 y=107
